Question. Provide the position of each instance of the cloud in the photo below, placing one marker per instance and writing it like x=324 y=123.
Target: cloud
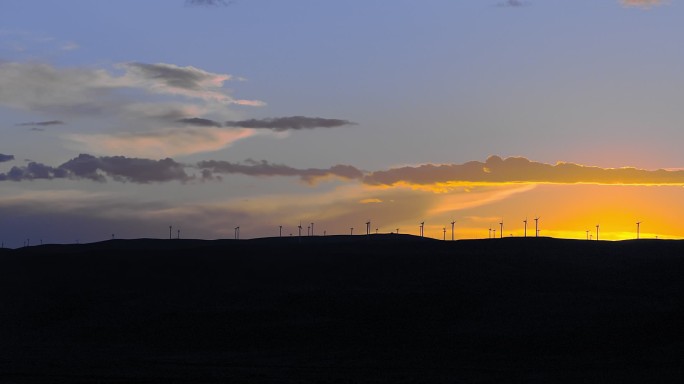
x=87 y=92
x=119 y=168
x=5 y=158
x=33 y=171
x=264 y=168
x=511 y=3
x=199 y=122
x=646 y=4
x=290 y=123
x=518 y=170
x=40 y=123
x=165 y=142
x=186 y=81
x=208 y=3
x=125 y=169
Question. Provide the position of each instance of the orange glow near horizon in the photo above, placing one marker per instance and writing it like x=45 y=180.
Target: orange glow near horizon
x=565 y=211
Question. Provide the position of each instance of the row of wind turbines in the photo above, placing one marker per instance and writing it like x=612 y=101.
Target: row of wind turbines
x=491 y=235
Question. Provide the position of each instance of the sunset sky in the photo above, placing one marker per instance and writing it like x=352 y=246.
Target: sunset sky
x=126 y=117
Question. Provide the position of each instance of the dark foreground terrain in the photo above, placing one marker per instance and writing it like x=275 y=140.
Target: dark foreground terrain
x=388 y=309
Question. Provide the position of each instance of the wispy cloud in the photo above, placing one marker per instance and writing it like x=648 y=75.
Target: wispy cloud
x=512 y=3
x=290 y=123
x=142 y=104
x=83 y=91
x=186 y=81
x=4 y=158
x=264 y=168
x=644 y=4
x=165 y=142
x=40 y=123
x=209 y=3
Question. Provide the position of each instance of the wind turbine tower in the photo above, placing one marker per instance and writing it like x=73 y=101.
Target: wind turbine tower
x=525 y=221
x=368 y=226
x=312 y=232
x=237 y=233
x=444 y=230
x=422 y=226
x=536 y=226
x=280 y=232
x=351 y=231
x=170 y=226
x=597 y=232
x=501 y=231
x=452 y=229
x=638 y=223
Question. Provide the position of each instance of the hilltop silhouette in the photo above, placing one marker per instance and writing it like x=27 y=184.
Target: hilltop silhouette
x=343 y=309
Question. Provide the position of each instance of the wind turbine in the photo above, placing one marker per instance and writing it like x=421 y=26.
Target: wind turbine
x=308 y=230
x=170 y=226
x=452 y=229
x=490 y=231
x=237 y=233
x=368 y=226
x=525 y=221
x=397 y=231
x=587 y=234
x=444 y=230
x=494 y=231
x=422 y=226
x=501 y=231
x=312 y=227
x=597 y=232
x=351 y=231
x=638 y=223
x=299 y=227
x=536 y=226
x=280 y=232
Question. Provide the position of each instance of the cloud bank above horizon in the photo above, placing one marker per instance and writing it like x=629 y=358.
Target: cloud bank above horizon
x=440 y=177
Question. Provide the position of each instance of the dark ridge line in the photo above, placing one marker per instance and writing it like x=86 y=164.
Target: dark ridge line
x=159 y=244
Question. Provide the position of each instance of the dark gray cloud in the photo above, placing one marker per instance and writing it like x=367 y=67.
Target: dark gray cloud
x=290 y=123
x=139 y=170
x=521 y=170
x=33 y=171
x=4 y=158
x=209 y=3
x=40 y=123
x=199 y=122
x=264 y=168
x=125 y=169
x=119 y=168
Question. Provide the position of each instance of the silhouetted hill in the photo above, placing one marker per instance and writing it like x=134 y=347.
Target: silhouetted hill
x=343 y=309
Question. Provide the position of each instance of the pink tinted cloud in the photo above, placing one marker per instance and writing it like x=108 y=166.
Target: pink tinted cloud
x=163 y=143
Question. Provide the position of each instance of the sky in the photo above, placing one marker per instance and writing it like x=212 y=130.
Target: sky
x=124 y=118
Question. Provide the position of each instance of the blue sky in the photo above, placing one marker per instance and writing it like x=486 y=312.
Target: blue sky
x=595 y=83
